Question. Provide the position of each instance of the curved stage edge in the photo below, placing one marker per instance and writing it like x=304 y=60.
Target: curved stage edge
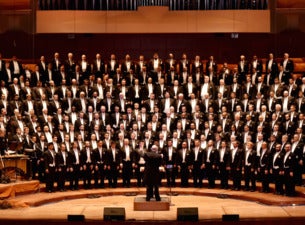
x=38 y=197
x=32 y=194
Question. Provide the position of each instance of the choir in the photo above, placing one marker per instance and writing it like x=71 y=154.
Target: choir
x=94 y=121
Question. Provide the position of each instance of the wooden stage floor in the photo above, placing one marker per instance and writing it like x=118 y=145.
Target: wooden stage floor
x=212 y=204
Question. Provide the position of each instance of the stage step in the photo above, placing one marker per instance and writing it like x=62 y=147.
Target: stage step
x=140 y=204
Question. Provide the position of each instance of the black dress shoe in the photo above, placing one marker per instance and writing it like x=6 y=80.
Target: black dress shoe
x=147 y=199
x=158 y=199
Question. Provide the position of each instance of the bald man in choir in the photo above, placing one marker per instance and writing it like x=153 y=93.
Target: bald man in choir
x=152 y=177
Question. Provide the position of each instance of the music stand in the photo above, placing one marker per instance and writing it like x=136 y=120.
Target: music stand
x=170 y=168
x=15 y=146
x=29 y=150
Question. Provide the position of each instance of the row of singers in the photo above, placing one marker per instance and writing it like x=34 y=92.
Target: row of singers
x=153 y=95
x=283 y=167
x=224 y=123
x=58 y=69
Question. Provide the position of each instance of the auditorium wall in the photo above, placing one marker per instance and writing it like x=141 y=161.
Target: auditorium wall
x=221 y=45
x=18 y=36
x=153 y=19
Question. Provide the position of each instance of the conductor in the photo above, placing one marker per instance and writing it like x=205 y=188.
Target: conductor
x=152 y=177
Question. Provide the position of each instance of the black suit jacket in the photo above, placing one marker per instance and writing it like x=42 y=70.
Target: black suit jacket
x=60 y=159
x=49 y=159
x=214 y=66
x=288 y=70
x=237 y=161
x=98 y=72
x=289 y=66
x=34 y=78
x=124 y=67
x=99 y=158
x=251 y=160
x=110 y=70
x=152 y=175
x=188 y=157
x=13 y=70
x=110 y=161
x=166 y=160
x=226 y=160
x=274 y=68
x=264 y=160
x=259 y=67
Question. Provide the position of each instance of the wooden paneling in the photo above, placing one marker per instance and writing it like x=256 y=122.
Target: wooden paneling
x=154 y=19
x=290 y=4
x=15 y=4
x=222 y=46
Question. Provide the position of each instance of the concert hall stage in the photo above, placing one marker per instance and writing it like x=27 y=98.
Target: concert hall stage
x=31 y=205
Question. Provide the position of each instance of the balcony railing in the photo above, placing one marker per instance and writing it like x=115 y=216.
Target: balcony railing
x=173 y=5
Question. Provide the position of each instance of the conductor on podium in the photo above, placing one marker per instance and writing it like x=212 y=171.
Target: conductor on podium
x=152 y=177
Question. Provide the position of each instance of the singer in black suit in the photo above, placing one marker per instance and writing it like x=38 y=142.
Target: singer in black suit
x=236 y=166
x=288 y=67
x=197 y=155
x=50 y=163
x=224 y=164
x=277 y=167
x=169 y=162
x=100 y=165
x=152 y=177
x=289 y=163
x=62 y=163
x=113 y=160
x=211 y=161
x=250 y=166
x=264 y=159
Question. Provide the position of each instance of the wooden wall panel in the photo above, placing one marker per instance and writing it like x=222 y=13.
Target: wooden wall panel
x=153 y=19
x=290 y=3
x=15 y=4
x=222 y=46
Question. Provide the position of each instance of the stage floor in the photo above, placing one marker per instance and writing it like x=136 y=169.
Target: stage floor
x=211 y=203
x=210 y=208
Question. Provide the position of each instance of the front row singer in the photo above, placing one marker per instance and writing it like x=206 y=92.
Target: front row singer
x=152 y=177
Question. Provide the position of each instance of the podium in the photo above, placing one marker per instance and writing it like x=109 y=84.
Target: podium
x=140 y=204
